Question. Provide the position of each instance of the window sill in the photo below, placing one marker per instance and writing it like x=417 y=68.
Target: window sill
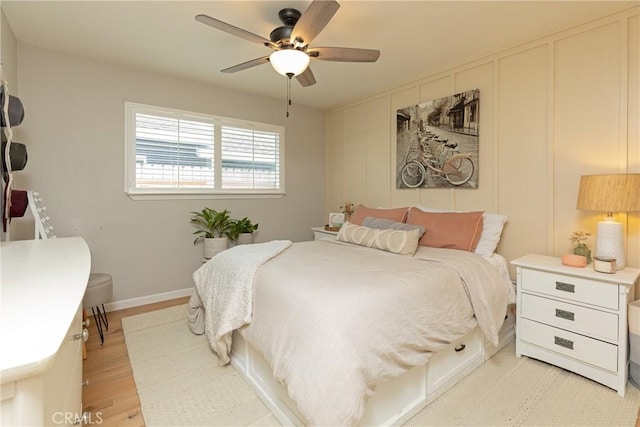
x=195 y=196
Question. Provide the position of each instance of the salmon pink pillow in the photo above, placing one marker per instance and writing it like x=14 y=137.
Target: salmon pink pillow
x=362 y=212
x=451 y=230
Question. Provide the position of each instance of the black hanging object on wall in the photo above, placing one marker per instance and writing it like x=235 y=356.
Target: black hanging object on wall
x=16 y=110
x=17 y=155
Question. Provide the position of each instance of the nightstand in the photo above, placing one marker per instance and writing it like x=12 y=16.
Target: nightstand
x=575 y=318
x=319 y=233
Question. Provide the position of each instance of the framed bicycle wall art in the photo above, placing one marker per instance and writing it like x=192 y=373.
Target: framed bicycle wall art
x=437 y=143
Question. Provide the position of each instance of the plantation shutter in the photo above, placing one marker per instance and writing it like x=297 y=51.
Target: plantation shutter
x=173 y=152
x=250 y=158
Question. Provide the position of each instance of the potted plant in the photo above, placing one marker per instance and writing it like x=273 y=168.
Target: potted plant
x=213 y=228
x=580 y=237
x=242 y=231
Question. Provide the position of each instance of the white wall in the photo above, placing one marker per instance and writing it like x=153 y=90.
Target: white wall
x=74 y=130
x=550 y=111
x=9 y=53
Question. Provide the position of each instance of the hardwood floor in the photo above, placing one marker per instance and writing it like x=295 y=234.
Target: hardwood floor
x=111 y=397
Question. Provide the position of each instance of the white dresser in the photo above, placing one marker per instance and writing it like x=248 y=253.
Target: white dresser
x=41 y=331
x=575 y=318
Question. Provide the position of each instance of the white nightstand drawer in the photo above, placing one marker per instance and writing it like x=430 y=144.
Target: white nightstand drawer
x=579 y=347
x=572 y=288
x=583 y=320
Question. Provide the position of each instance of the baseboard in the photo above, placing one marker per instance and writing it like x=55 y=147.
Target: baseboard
x=148 y=299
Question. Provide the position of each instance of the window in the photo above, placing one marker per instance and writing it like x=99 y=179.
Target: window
x=178 y=153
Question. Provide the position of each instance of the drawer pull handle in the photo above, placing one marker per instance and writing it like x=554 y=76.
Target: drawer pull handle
x=567 y=315
x=563 y=342
x=566 y=287
x=460 y=348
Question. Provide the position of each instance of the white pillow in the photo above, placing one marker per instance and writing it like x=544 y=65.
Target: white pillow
x=492 y=225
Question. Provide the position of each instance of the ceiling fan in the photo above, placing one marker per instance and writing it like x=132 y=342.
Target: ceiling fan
x=290 y=42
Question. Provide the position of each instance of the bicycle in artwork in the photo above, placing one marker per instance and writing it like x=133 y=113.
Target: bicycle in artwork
x=439 y=157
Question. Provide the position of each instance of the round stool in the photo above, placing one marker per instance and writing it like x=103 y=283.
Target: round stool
x=99 y=291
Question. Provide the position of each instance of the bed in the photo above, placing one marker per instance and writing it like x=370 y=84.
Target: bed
x=336 y=333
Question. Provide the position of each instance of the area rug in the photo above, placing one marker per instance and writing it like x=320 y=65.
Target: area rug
x=180 y=383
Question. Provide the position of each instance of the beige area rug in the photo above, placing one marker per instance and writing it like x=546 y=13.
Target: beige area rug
x=180 y=384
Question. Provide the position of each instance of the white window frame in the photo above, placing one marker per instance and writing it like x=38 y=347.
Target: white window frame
x=133 y=192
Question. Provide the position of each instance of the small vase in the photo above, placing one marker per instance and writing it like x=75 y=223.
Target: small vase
x=583 y=250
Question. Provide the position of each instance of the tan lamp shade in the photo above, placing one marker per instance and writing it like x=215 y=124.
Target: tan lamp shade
x=609 y=193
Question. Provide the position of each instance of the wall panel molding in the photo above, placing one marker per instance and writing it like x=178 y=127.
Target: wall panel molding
x=551 y=110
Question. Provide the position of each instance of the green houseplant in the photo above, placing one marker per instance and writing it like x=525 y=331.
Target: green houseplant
x=580 y=237
x=242 y=231
x=214 y=228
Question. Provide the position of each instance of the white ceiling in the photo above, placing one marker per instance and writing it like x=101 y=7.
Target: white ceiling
x=416 y=38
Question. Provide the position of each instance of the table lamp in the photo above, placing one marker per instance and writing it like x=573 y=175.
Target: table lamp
x=610 y=193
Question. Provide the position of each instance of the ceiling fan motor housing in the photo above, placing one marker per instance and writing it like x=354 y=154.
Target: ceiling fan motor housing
x=289 y=17
x=281 y=34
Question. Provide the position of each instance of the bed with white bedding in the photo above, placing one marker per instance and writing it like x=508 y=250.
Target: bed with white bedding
x=340 y=334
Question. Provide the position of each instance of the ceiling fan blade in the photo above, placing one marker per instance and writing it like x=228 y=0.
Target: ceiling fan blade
x=233 y=30
x=306 y=78
x=344 y=54
x=313 y=20
x=245 y=65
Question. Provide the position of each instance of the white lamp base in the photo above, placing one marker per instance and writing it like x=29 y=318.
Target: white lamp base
x=610 y=241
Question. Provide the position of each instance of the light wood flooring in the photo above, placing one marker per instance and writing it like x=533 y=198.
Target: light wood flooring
x=111 y=393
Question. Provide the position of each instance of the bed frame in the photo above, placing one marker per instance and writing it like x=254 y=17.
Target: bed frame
x=394 y=402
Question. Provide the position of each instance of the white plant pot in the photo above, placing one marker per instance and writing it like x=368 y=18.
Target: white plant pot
x=214 y=245
x=245 y=239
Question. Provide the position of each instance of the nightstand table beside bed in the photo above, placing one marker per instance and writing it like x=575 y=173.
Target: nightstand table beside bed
x=575 y=318
x=320 y=233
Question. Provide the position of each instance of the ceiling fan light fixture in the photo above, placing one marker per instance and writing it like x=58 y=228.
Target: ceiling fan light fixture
x=289 y=62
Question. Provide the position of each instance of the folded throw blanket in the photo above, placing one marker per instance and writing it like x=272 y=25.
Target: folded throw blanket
x=195 y=314
x=225 y=286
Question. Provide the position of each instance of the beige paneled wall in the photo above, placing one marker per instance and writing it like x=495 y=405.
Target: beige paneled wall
x=523 y=150
x=550 y=111
x=633 y=131
x=355 y=161
x=377 y=146
x=587 y=137
x=335 y=160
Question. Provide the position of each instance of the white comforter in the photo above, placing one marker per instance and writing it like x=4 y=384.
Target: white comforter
x=335 y=320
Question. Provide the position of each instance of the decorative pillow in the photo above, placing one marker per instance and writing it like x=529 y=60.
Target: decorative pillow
x=492 y=225
x=387 y=224
x=361 y=212
x=452 y=230
x=403 y=242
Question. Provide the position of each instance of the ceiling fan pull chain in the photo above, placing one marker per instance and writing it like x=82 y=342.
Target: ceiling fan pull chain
x=289 y=75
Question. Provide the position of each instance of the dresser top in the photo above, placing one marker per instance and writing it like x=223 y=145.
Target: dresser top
x=627 y=276
x=43 y=283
